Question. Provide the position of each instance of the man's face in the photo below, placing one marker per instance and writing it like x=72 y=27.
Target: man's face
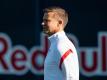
x=50 y=23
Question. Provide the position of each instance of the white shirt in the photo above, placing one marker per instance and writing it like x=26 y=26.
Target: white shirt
x=61 y=62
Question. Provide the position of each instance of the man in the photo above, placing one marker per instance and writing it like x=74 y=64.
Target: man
x=61 y=62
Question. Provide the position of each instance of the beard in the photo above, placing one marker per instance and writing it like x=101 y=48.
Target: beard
x=46 y=30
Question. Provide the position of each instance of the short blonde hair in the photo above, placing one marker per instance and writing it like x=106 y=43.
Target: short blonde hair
x=60 y=12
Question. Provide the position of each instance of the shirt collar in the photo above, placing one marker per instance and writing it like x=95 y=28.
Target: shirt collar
x=56 y=36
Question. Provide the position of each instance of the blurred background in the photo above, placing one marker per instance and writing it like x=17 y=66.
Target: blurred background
x=23 y=47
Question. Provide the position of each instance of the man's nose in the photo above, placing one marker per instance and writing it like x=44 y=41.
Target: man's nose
x=43 y=24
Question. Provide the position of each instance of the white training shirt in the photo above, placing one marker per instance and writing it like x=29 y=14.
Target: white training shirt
x=61 y=62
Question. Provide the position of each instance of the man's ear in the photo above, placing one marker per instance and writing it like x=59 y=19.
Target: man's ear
x=60 y=22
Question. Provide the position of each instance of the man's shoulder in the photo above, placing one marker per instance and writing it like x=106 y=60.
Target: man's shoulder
x=64 y=45
x=61 y=45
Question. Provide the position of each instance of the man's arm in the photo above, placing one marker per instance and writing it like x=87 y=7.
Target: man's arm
x=69 y=64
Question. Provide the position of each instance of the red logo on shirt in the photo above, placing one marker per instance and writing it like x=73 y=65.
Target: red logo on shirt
x=64 y=57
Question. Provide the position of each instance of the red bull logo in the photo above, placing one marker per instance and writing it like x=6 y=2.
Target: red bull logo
x=18 y=60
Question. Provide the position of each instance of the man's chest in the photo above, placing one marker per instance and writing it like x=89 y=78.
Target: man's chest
x=51 y=58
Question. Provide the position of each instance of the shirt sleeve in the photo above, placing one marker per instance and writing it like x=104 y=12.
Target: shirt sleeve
x=68 y=63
